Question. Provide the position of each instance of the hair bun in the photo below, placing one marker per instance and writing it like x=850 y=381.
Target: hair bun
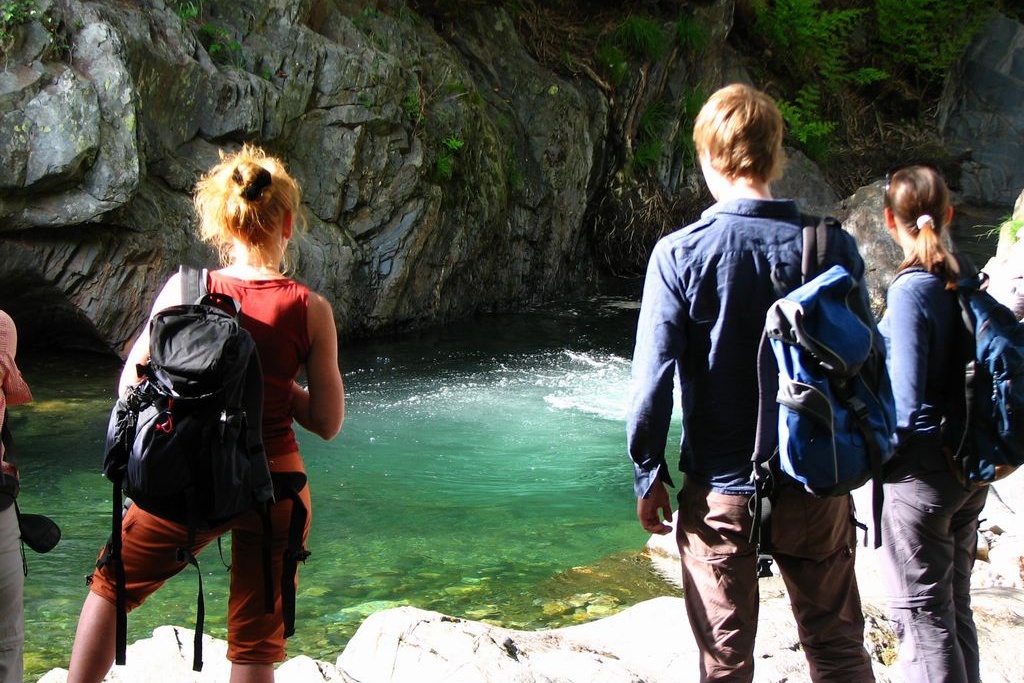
x=251 y=181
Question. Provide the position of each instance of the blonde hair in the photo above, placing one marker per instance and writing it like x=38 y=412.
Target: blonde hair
x=918 y=197
x=246 y=197
x=741 y=129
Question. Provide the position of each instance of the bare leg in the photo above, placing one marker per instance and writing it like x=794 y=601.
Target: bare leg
x=93 y=651
x=252 y=673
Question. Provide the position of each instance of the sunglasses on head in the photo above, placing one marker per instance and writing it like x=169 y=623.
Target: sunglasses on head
x=903 y=167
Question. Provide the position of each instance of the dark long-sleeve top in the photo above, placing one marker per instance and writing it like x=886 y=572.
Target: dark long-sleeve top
x=706 y=293
x=919 y=326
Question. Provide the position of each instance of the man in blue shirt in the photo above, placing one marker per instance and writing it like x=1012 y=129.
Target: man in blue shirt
x=708 y=288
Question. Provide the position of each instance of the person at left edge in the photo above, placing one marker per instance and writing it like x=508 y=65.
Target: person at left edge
x=14 y=392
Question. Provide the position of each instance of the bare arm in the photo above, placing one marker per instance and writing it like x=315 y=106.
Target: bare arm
x=15 y=389
x=320 y=407
x=139 y=354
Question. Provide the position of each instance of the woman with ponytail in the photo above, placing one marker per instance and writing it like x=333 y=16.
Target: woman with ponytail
x=247 y=206
x=929 y=520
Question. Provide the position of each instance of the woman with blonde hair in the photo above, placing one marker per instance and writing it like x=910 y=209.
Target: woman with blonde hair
x=929 y=520
x=247 y=207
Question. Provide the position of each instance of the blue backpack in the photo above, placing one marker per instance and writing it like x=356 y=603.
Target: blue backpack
x=830 y=422
x=990 y=445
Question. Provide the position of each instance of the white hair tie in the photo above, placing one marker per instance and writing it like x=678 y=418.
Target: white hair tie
x=925 y=220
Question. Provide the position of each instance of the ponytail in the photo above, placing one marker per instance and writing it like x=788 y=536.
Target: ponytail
x=245 y=197
x=916 y=195
x=252 y=183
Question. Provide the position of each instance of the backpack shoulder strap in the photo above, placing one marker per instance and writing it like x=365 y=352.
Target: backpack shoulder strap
x=966 y=266
x=193 y=283
x=815 y=244
x=766 y=443
x=7 y=439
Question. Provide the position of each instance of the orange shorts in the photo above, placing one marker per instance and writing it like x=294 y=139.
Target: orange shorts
x=149 y=549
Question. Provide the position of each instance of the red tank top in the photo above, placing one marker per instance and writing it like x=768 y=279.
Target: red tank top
x=274 y=313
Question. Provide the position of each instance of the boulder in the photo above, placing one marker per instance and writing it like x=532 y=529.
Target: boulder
x=981 y=113
x=164 y=657
x=861 y=215
x=803 y=181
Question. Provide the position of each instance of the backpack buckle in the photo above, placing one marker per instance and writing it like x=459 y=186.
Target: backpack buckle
x=167 y=426
x=297 y=555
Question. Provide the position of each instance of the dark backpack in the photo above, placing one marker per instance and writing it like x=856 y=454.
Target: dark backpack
x=989 y=445
x=185 y=444
x=829 y=424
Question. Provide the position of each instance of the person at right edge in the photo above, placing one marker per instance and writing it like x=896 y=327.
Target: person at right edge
x=929 y=519
x=708 y=288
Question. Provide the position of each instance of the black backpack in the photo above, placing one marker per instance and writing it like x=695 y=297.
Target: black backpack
x=185 y=444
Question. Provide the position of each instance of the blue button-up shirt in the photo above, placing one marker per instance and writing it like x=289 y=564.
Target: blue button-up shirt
x=708 y=288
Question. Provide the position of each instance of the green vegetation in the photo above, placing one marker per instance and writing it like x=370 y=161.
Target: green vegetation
x=691 y=33
x=413 y=107
x=514 y=173
x=367 y=23
x=654 y=121
x=925 y=37
x=221 y=46
x=692 y=102
x=638 y=37
x=187 y=11
x=444 y=166
x=813 y=43
x=1011 y=228
x=14 y=13
x=812 y=46
x=823 y=62
x=611 y=59
x=806 y=121
x=642 y=37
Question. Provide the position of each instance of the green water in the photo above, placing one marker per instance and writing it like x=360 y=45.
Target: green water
x=480 y=473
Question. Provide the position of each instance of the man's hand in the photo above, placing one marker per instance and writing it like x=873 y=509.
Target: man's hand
x=655 y=510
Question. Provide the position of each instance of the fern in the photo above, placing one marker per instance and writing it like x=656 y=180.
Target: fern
x=691 y=33
x=654 y=119
x=806 y=122
x=642 y=37
x=810 y=41
x=928 y=36
x=613 y=62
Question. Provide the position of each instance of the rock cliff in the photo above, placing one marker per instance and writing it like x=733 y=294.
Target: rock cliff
x=447 y=170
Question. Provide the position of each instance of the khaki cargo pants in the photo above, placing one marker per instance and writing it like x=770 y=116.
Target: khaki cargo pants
x=814 y=540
